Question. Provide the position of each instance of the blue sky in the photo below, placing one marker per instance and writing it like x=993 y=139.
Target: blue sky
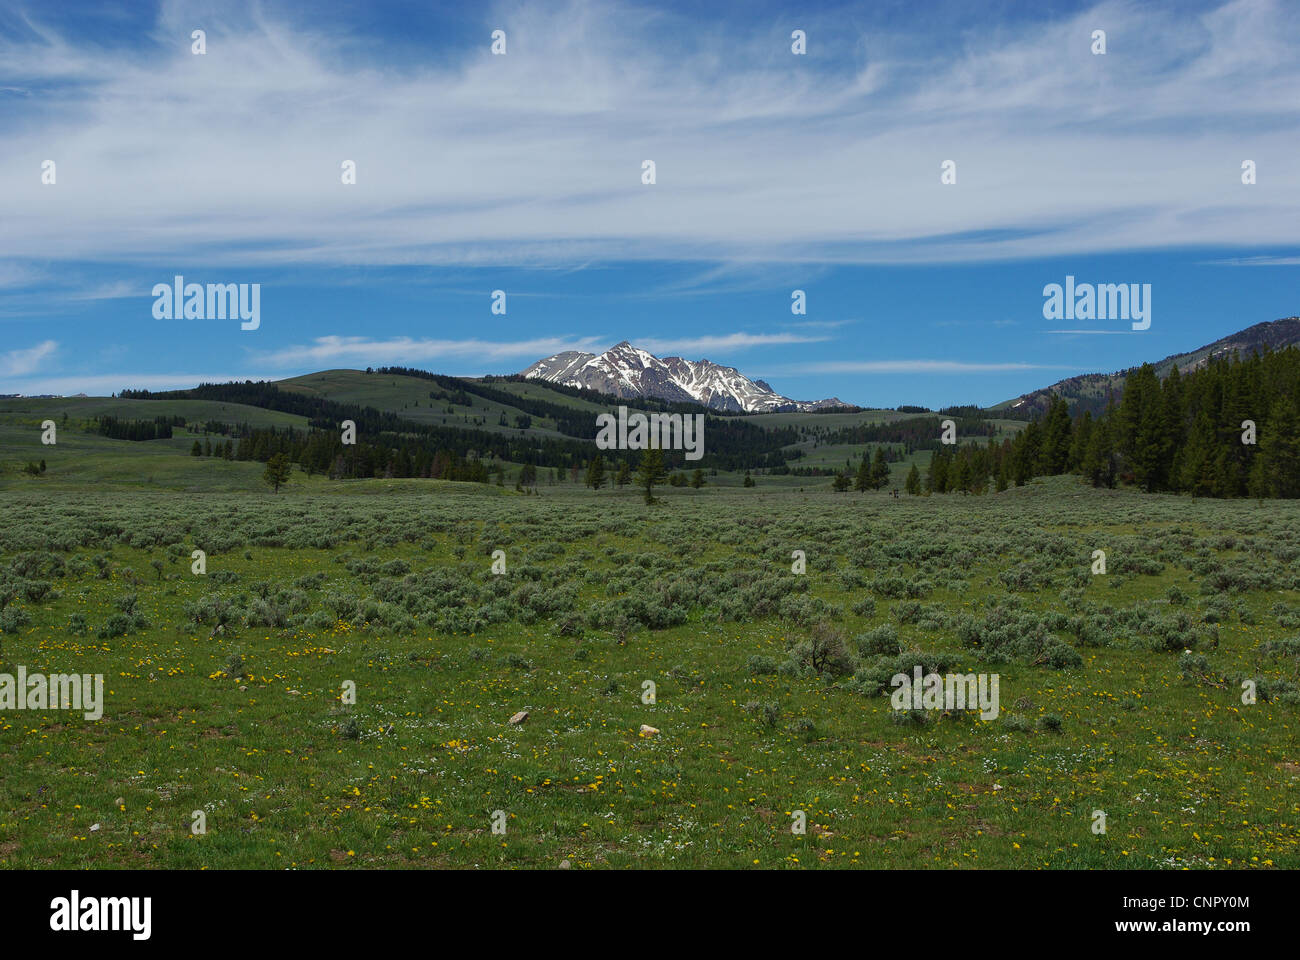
x=522 y=172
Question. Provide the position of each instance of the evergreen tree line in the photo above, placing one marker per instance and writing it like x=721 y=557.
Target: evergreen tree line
x=323 y=452
x=546 y=408
x=969 y=468
x=887 y=454
x=872 y=474
x=380 y=430
x=729 y=444
x=159 y=428
x=1228 y=429
x=914 y=433
x=206 y=448
x=417 y=455
x=568 y=420
x=225 y=429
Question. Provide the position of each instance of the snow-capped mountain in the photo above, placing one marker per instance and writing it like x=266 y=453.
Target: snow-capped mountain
x=627 y=371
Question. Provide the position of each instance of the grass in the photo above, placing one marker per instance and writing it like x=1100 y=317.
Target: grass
x=602 y=595
x=29 y=412
x=408 y=397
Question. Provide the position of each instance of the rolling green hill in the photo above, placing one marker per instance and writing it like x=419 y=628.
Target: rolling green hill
x=34 y=410
x=417 y=400
x=550 y=426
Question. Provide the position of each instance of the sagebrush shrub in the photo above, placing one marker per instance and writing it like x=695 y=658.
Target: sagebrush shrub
x=882 y=641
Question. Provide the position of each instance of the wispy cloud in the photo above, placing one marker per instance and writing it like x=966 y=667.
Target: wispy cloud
x=116 y=290
x=404 y=351
x=915 y=366
x=17 y=275
x=762 y=157
x=821 y=324
x=21 y=363
x=30 y=290
x=693 y=347
x=963 y=322
x=743 y=275
x=1260 y=261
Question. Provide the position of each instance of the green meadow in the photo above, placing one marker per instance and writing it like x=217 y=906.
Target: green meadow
x=335 y=689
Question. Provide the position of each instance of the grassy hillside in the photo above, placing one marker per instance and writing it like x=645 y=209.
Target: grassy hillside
x=829 y=421
x=32 y=411
x=83 y=458
x=94 y=459
x=408 y=397
x=539 y=390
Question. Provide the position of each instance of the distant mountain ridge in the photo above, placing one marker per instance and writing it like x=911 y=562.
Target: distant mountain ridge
x=1091 y=391
x=627 y=371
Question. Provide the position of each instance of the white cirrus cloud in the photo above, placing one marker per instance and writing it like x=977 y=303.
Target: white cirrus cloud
x=916 y=366
x=405 y=351
x=1095 y=332
x=27 y=360
x=1259 y=261
x=535 y=157
x=695 y=346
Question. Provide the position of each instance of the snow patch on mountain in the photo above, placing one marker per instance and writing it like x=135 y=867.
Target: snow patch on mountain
x=628 y=371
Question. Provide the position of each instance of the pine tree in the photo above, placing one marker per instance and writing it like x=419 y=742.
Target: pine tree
x=651 y=472
x=1224 y=473
x=1242 y=400
x=1079 y=444
x=1025 y=454
x=596 y=472
x=913 y=482
x=697 y=478
x=1093 y=453
x=879 y=469
x=1173 y=430
x=196 y=450
x=1143 y=440
x=936 y=479
x=863 y=481
x=1257 y=484
x=624 y=475
x=1196 y=462
x=1054 y=453
x=277 y=472
x=959 y=477
x=1279 y=448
